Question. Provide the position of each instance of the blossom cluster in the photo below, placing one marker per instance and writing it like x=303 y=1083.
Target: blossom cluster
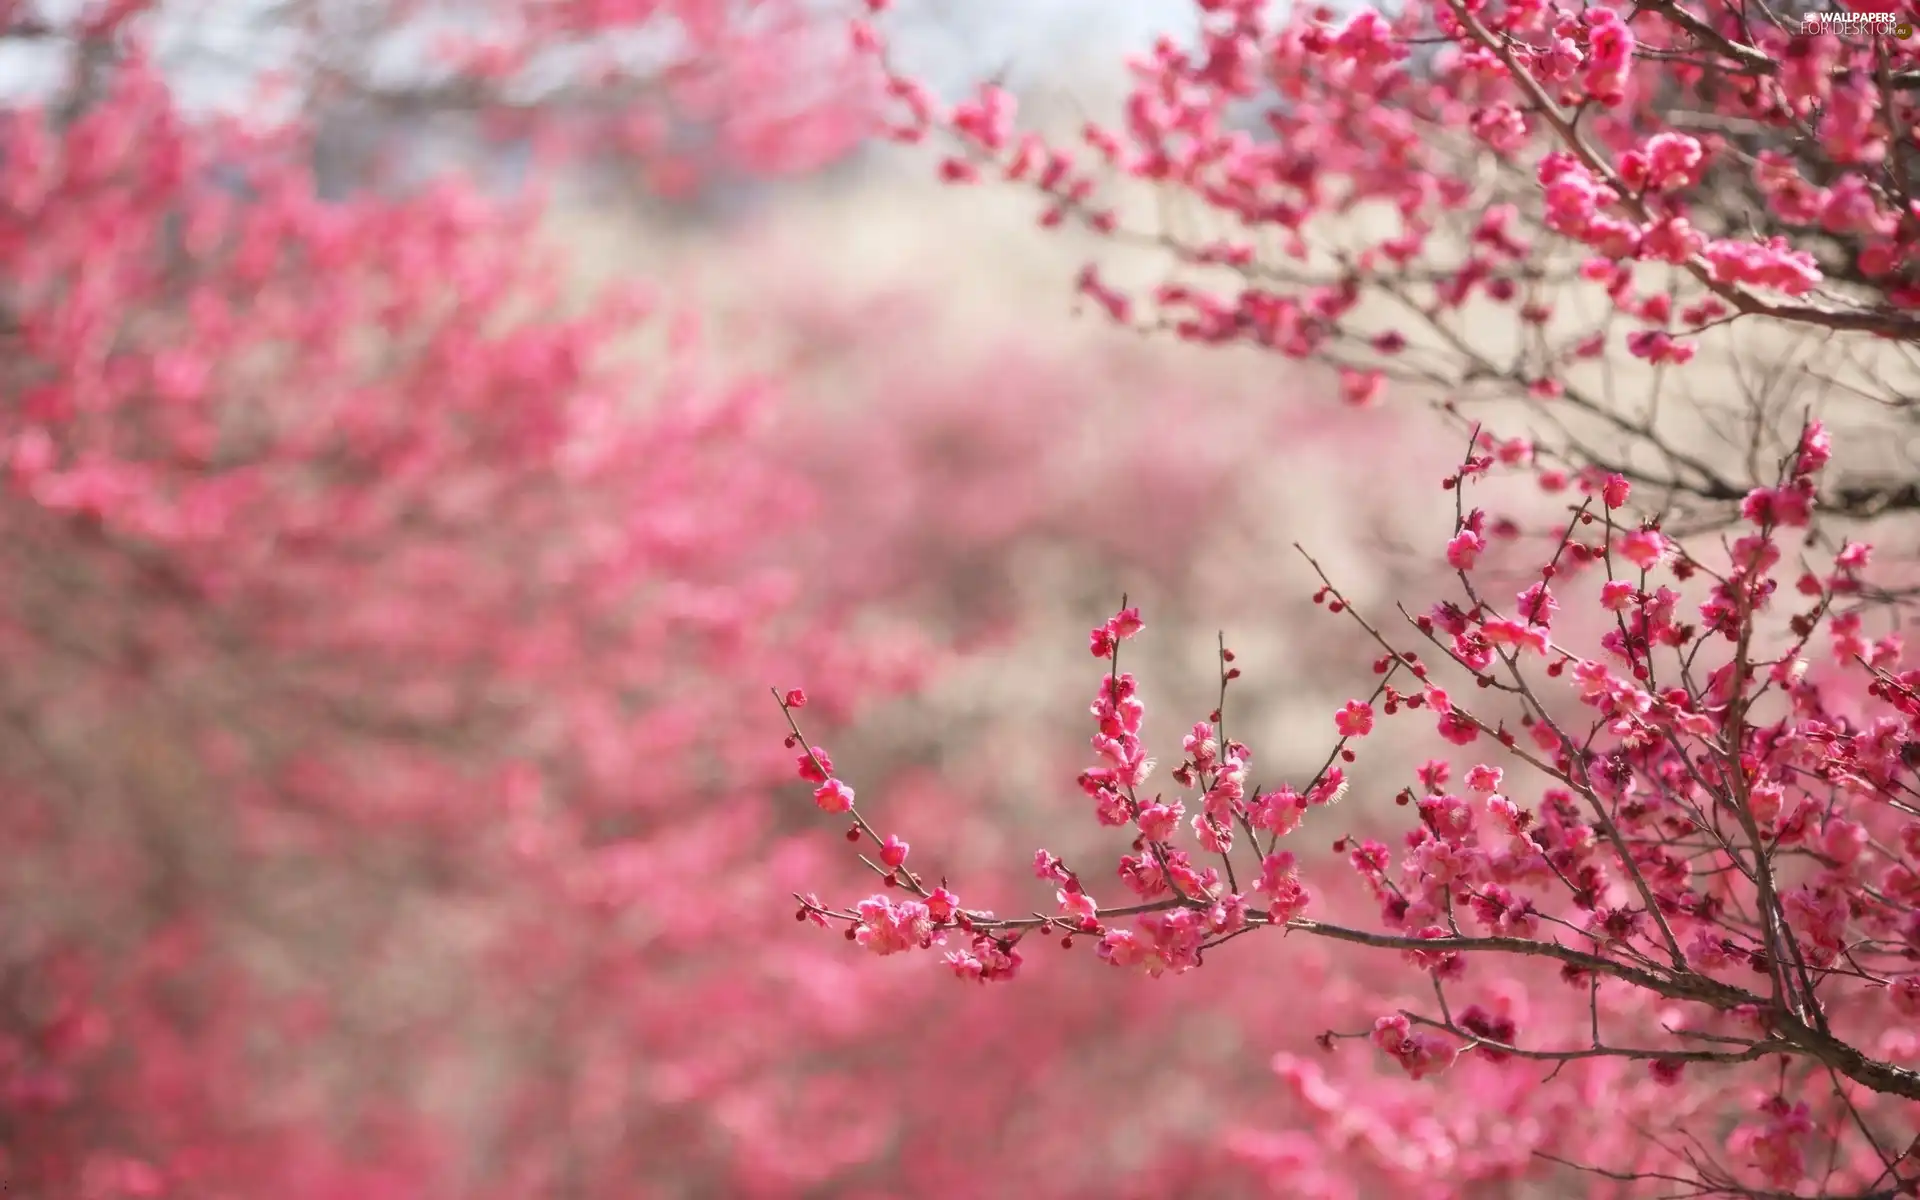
x=1683 y=814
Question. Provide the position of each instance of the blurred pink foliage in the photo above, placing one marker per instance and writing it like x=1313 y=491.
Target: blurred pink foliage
x=380 y=814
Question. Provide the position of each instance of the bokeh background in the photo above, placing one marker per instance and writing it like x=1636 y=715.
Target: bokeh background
x=417 y=824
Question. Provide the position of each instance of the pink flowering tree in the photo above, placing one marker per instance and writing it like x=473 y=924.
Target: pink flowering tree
x=369 y=610
x=1651 y=923
x=1511 y=202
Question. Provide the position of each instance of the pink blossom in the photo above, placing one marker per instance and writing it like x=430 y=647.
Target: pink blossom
x=1782 y=506
x=1159 y=821
x=1420 y=1053
x=1077 y=905
x=1515 y=635
x=1771 y=264
x=1672 y=160
x=1458 y=728
x=1355 y=719
x=1816 y=449
x=814 y=765
x=1464 y=549
x=834 y=796
x=1659 y=348
x=888 y=928
x=1537 y=604
x=1279 y=884
x=1644 y=548
x=1362 y=389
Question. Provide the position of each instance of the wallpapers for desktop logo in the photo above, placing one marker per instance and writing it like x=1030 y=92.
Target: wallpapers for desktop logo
x=1856 y=24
